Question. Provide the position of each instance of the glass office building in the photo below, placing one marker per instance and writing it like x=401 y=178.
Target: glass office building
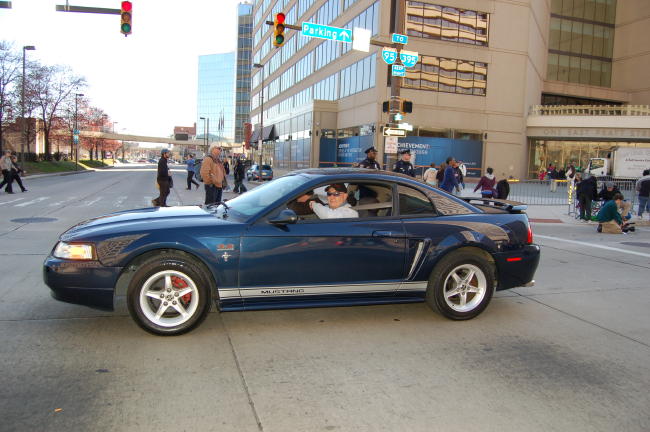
x=244 y=65
x=216 y=97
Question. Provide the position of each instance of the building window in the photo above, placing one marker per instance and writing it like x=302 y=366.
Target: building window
x=447 y=75
x=581 y=41
x=358 y=77
x=445 y=23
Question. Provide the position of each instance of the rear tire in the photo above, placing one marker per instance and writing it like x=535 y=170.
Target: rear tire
x=169 y=294
x=461 y=285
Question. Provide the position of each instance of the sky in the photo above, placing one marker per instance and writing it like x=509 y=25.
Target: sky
x=146 y=82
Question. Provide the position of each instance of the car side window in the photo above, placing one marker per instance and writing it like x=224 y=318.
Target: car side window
x=414 y=202
x=367 y=199
x=447 y=206
x=371 y=200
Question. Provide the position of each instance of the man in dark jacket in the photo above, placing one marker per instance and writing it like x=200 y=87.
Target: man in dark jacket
x=608 y=191
x=404 y=165
x=239 y=172
x=587 y=192
x=643 y=189
x=164 y=180
x=449 y=180
x=370 y=162
x=503 y=189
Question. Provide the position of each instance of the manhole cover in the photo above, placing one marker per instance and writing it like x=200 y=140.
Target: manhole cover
x=33 y=220
x=637 y=244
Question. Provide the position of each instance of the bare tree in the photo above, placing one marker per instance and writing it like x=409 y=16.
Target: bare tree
x=92 y=120
x=9 y=76
x=52 y=86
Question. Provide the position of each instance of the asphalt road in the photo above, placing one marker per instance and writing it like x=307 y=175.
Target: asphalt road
x=571 y=353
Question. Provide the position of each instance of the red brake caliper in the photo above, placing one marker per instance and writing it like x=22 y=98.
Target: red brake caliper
x=179 y=283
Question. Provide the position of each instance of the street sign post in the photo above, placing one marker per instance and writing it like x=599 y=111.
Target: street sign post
x=361 y=39
x=391 y=145
x=408 y=58
x=399 y=70
x=326 y=32
x=399 y=38
x=388 y=131
x=405 y=126
x=389 y=55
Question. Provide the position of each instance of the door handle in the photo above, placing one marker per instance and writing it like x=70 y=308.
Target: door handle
x=391 y=234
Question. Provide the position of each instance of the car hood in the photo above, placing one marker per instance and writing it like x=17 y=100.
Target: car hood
x=145 y=219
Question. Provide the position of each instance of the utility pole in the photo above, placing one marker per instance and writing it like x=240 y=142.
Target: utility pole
x=395 y=81
x=25 y=138
x=75 y=132
x=261 y=141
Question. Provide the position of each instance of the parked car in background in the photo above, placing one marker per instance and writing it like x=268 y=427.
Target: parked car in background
x=409 y=242
x=259 y=172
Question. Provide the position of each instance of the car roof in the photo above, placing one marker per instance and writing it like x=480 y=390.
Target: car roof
x=363 y=172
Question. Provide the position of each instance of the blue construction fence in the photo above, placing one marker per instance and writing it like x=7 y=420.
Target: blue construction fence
x=344 y=152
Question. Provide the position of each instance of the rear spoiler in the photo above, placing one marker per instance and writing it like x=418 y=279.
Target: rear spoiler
x=509 y=206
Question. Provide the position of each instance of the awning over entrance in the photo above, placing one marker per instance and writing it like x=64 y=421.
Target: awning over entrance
x=268 y=135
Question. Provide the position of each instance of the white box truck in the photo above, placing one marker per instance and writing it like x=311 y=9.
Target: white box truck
x=624 y=162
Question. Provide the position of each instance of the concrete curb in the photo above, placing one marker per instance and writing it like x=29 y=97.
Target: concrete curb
x=63 y=173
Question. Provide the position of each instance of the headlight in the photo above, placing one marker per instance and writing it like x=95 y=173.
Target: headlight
x=73 y=251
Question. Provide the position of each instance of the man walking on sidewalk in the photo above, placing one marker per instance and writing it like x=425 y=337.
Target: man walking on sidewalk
x=239 y=172
x=213 y=175
x=643 y=189
x=6 y=165
x=190 y=172
x=164 y=180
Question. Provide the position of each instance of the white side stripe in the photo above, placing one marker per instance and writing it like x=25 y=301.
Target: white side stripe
x=298 y=291
x=591 y=245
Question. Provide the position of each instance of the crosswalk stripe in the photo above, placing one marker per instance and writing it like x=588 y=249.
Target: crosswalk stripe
x=91 y=202
x=37 y=200
x=120 y=201
x=12 y=201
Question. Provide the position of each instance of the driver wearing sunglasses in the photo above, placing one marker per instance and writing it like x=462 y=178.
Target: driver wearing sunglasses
x=338 y=207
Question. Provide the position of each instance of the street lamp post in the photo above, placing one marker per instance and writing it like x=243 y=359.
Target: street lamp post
x=104 y=117
x=22 y=105
x=114 y=123
x=261 y=143
x=205 y=137
x=75 y=132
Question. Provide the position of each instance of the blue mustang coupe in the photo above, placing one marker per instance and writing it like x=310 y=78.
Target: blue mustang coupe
x=283 y=245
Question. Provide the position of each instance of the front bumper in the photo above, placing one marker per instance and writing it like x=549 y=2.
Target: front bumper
x=81 y=282
x=517 y=268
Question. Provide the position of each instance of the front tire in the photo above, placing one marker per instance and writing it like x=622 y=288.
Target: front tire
x=461 y=286
x=169 y=294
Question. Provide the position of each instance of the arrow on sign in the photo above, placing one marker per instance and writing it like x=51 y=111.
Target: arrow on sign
x=393 y=131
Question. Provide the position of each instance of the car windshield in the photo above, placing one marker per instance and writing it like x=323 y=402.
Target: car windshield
x=266 y=167
x=261 y=197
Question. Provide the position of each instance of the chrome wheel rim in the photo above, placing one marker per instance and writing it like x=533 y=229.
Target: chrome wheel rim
x=465 y=287
x=169 y=298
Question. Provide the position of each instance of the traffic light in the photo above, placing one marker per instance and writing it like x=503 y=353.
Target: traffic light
x=126 y=12
x=278 y=30
x=406 y=107
x=384 y=106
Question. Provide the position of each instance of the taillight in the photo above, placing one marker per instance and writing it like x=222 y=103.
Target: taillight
x=529 y=238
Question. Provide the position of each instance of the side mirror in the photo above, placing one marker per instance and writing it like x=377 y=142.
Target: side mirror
x=285 y=217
